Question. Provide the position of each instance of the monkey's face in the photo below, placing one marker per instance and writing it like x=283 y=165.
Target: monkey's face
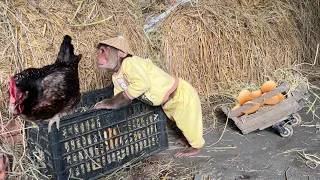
x=108 y=58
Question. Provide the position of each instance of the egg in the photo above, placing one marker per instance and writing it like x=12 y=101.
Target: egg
x=244 y=96
x=236 y=107
x=268 y=86
x=281 y=97
x=253 y=108
x=255 y=94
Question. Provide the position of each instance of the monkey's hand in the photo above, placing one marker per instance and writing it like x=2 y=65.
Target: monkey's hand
x=104 y=104
x=116 y=102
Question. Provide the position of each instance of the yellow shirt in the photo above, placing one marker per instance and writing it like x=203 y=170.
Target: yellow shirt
x=140 y=78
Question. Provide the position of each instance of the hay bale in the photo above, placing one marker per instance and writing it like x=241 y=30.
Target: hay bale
x=31 y=34
x=305 y=15
x=38 y=28
x=33 y=30
x=223 y=46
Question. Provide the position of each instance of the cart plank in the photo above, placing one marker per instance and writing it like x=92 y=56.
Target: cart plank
x=267 y=118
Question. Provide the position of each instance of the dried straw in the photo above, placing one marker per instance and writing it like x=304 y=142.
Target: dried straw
x=154 y=168
x=219 y=46
x=311 y=160
x=37 y=29
x=225 y=46
x=31 y=34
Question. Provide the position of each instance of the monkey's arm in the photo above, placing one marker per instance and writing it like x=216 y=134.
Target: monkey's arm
x=116 y=102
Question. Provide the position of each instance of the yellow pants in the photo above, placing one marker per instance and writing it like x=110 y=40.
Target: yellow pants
x=185 y=109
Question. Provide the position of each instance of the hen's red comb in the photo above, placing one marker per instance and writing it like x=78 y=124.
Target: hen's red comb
x=12 y=90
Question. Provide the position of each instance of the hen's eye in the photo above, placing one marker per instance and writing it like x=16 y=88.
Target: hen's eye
x=101 y=51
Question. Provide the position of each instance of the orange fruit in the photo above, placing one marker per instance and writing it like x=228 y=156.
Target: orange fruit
x=255 y=94
x=244 y=96
x=253 y=108
x=272 y=101
x=268 y=86
x=281 y=97
x=236 y=107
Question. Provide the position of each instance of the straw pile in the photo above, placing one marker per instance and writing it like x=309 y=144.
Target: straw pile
x=218 y=46
x=31 y=34
x=224 y=46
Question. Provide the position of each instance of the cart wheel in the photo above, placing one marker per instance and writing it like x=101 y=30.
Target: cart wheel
x=296 y=119
x=288 y=131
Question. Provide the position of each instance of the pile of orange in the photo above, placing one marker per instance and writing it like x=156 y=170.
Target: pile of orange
x=246 y=97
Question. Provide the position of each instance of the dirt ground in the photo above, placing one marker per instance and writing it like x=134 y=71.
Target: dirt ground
x=261 y=155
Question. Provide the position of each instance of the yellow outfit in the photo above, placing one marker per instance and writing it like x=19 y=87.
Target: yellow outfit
x=140 y=78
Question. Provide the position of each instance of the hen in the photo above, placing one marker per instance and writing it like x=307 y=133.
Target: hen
x=50 y=92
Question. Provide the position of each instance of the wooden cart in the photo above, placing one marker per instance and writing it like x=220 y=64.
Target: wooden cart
x=281 y=116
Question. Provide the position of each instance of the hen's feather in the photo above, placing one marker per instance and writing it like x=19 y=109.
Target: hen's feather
x=51 y=89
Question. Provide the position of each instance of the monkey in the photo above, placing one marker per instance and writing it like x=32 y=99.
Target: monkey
x=138 y=78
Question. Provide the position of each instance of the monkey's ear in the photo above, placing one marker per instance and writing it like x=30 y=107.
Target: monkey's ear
x=122 y=54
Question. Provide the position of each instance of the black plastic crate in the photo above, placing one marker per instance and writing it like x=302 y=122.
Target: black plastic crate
x=92 y=143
